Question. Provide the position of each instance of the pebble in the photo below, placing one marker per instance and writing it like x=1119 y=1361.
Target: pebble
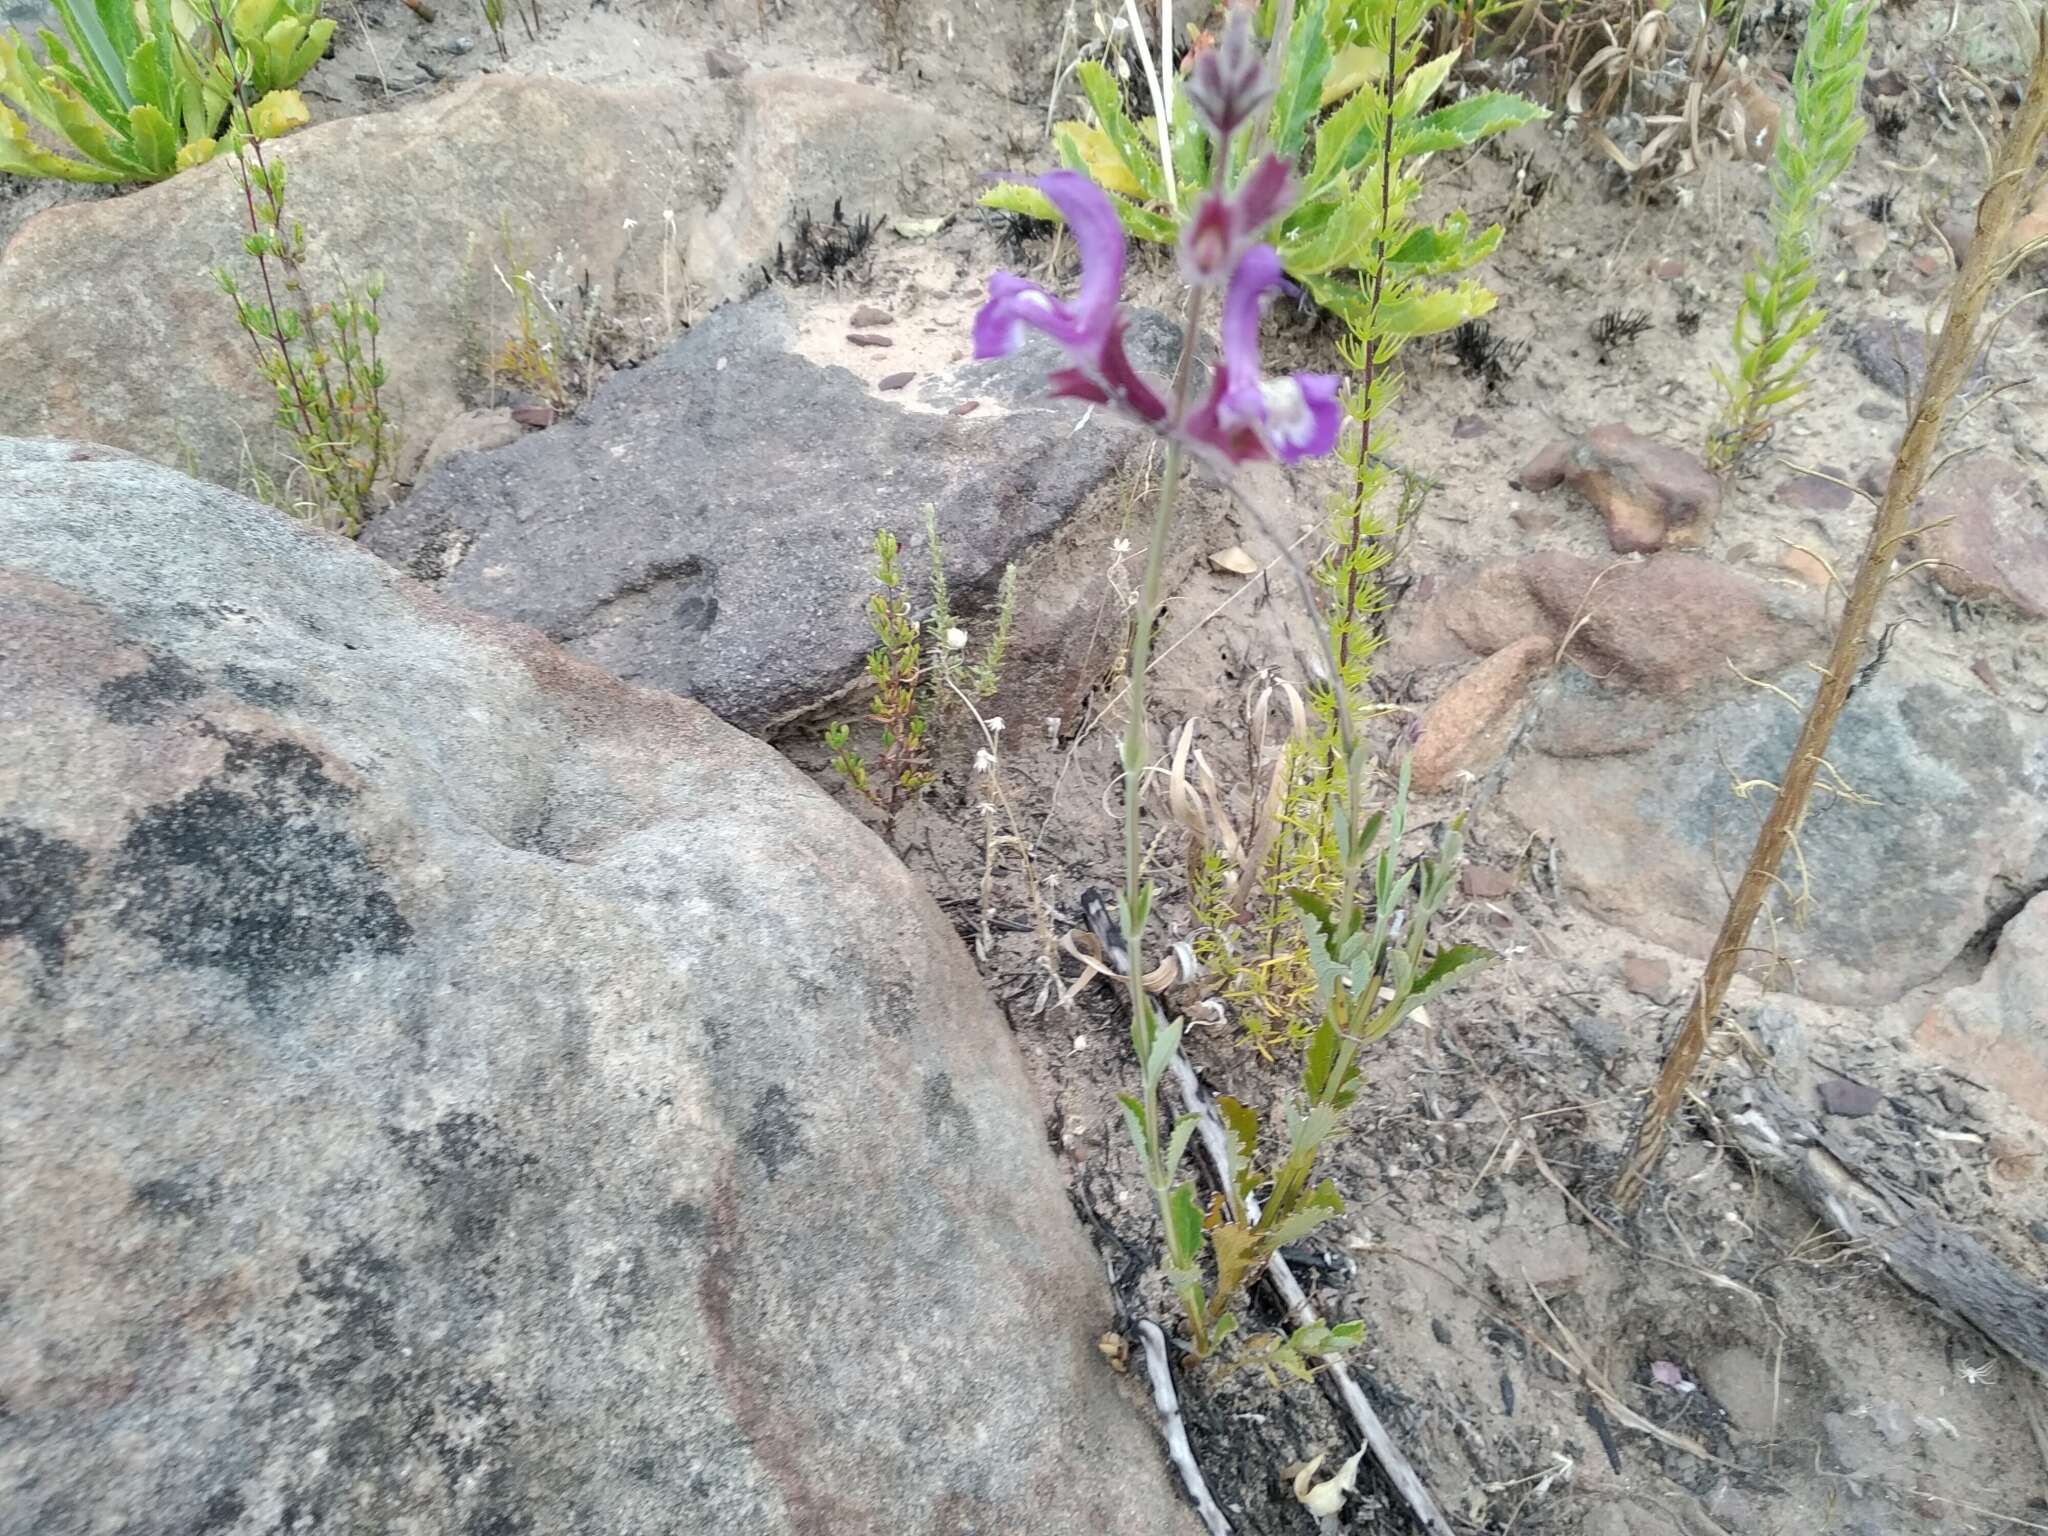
x=866 y=339
x=867 y=315
x=1647 y=976
x=895 y=380
x=720 y=64
x=966 y=407
x=1851 y=1101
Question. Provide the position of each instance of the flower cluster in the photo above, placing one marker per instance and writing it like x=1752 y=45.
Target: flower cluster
x=1243 y=416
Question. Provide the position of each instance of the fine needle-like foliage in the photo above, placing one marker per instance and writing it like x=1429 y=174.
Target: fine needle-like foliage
x=1402 y=282
x=1778 y=313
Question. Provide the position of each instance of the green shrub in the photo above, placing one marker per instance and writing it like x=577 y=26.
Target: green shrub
x=140 y=90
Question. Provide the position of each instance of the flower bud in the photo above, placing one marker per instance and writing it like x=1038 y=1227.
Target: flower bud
x=1231 y=85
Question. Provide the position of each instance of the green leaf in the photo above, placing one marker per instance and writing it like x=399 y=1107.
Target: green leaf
x=1016 y=197
x=1320 y=1058
x=1348 y=138
x=1184 y=1222
x=1328 y=238
x=1423 y=313
x=1422 y=84
x=1178 y=1146
x=22 y=156
x=1447 y=247
x=1448 y=963
x=100 y=54
x=1165 y=1041
x=1301 y=80
x=1100 y=87
x=1134 y=1122
x=1465 y=123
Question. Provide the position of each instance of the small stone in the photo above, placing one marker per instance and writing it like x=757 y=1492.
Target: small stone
x=869 y=339
x=1529 y=520
x=1982 y=670
x=1467 y=427
x=1746 y=550
x=1466 y=728
x=1851 y=1101
x=537 y=416
x=966 y=407
x=1651 y=494
x=867 y=315
x=1812 y=493
x=456 y=47
x=1601 y=1039
x=1439 y=1331
x=1667 y=269
x=1233 y=562
x=1647 y=976
x=720 y=64
x=2038 y=1231
x=1485 y=883
x=895 y=380
x=1927 y=264
x=1893 y=355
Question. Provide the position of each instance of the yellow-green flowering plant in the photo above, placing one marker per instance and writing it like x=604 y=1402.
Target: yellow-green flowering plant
x=140 y=89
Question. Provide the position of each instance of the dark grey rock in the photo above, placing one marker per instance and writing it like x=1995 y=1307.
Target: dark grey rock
x=447 y=1090
x=1852 y=1101
x=1602 y=1039
x=705 y=525
x=1893 y=355
x=723 y=64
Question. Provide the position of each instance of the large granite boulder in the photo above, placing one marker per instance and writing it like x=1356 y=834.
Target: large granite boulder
x=114 y=331
x=444 y=1089
x=706 y=523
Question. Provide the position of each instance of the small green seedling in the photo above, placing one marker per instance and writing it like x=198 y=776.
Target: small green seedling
x=1778 y=313
x=914 y=672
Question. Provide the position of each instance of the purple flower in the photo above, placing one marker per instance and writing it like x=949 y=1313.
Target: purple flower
x=1224 y=228
x=1244 y=416
x=1247 y=417
x=1091 y=329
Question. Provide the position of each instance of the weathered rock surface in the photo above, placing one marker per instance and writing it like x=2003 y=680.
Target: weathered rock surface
x=1986 y=536
x=706 y=524
x=1662 y=625
x=1467 y=726
x=1640 y=796
x=114 y=332
x=1996 y=1030
x=449 y=1090
x=1650 y=494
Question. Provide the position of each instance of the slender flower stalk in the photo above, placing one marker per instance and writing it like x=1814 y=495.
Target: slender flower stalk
x=1240 y=416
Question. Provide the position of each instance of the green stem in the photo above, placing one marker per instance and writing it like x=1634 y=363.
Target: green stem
x=1137 y=909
